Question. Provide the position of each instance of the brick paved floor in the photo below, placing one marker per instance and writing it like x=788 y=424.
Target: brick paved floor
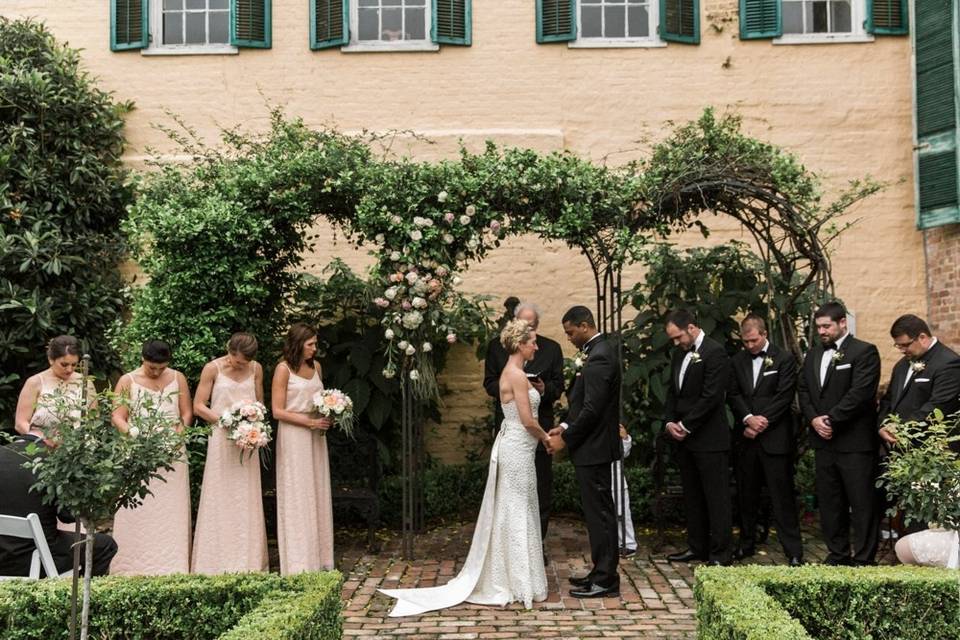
x=656 y=599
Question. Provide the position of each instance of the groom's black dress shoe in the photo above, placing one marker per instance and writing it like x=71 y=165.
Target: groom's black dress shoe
x=795 y=561
x=582 y=581
x=596 y=591
x=744 y=552
x=684 y=556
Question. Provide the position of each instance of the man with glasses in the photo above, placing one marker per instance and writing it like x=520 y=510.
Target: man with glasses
x=926 y=378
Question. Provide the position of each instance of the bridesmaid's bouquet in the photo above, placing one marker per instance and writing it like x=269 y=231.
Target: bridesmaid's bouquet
x=246 y=424
x=336 y=405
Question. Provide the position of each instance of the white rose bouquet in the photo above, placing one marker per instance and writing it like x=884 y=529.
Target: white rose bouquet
x=246 y=424
x=336 y=405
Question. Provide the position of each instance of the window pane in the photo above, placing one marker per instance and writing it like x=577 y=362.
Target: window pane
x=173 y=28
x=840 y=17
x=638 y=22
x=590 y=22
x=369 y=28
x=615 y=2
x=369 y=3
x=196 y=28
x=792 y=17
x=173 y=4
x=219 y=4
x=219 y=27
x=590 y=1
x=196 y=4
x=392 y=3
x=415 y=3
x=416 y=24
x=614 y=21
x=392 y=24
x=817 y=17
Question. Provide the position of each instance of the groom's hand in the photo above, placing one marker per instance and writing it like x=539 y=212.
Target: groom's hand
x=675 y=431
x=556 y=442
x=556 y=431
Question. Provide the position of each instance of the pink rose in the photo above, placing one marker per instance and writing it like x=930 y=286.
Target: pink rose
x=451 y=338
x=381 y=302
x=448 y=217
x=495 y=226
x=406 y=305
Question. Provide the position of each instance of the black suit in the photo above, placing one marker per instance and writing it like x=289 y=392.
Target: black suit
x=548 y=362
x=770 y=454
x=593 y=438
x=704 y=455
x=846 y=464
x=936 y=386
x=16 y=499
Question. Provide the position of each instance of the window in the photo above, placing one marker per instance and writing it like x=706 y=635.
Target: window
x=800 y=21
x=192 y=22
x=818 y=16
x=617 y=21
x=391 y=20
x=389 y=25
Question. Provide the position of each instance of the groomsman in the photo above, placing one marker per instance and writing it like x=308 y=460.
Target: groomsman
x=762 y=389
x=926 y=378
x=696 y=420
x=545 y=372
x=838 y=390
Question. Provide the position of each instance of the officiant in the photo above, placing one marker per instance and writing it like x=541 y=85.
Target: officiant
x=545 y=373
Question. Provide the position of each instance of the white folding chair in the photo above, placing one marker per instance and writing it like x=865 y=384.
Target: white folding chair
x=30 y=529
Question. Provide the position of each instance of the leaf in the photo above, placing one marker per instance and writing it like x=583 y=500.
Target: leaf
x=360 y=357
x=378 y=410
x=359 y=392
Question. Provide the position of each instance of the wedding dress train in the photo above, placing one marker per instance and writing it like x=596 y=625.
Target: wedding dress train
x=505 y=561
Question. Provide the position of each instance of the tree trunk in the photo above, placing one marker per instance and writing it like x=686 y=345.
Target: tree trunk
x=87 y=575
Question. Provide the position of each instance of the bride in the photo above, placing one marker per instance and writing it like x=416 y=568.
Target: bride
x=505 y=561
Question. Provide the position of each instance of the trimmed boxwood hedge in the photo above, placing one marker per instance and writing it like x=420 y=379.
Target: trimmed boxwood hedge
x=180 y=607
x=827 y=603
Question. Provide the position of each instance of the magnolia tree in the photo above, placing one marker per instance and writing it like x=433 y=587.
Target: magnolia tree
x=92 y=470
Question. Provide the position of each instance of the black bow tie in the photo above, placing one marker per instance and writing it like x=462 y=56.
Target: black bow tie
x=830 y=346
x=762 y=354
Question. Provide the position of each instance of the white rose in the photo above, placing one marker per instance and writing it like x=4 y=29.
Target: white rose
x=464 y=220
x=397 y=220
x=415 y=235
x=419 y=303
x=473 y=243
x=410 y=350
x=388 y=373
x=471 y=210
x=427 y=347
x=447 y=238
x=442 y=196
x=388 y=334
x=390 y=293
x=414 y=375
x=395 y=256
x=133 y=432
x=412 y=319
x=412 y=277
x=379 y=238
x=403 y=344
x=457 y=280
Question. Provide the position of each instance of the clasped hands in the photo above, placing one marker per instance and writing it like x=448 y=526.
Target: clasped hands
x=755 y=425
x=554 y=440
x=821 y=424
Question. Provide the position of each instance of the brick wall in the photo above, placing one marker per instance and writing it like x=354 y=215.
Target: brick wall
x=942 y=247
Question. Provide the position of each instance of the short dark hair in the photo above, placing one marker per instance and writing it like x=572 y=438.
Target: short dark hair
x=909 y=325
x=156 y=351
x=680 y=318
x=579 y=315
x=754 y=320
x=63 y=346
x=833 y=310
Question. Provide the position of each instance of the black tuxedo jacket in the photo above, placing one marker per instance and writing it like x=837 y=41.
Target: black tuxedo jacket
x=16 y=499
x=593 y=434
x=699 y=403
x=848 y=396
x=937 y=386
x=771 y=398
x=547 y=361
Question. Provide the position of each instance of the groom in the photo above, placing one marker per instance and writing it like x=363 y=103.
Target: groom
x=592 y=434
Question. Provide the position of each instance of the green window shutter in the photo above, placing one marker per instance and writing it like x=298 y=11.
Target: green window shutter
x=887 y=17
x=937 y=193
x=329 y=23
x=129 y=26
x=680 y=21
x=250 y=23
x=556 y=20
x=760 y=19
x=452 y=22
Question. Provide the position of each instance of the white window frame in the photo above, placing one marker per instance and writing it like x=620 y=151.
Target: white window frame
x=653 y=40
x=155 y=48
x=858 y=19
x=369 y=46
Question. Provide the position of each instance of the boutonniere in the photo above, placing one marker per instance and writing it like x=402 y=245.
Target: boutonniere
x=917 y=366
x=695 y=357
x=572 y=366
x=768 y=361
x=837 y=357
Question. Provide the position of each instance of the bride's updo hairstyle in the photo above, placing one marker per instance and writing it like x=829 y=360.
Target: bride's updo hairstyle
x=515 y=334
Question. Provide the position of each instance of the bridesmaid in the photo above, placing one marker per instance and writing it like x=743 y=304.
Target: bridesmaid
x=304 y=506
x=154 y=538
x=63 y=355
x=231 y=535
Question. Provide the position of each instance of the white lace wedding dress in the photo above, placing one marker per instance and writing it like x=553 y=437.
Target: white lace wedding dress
x=505 y=561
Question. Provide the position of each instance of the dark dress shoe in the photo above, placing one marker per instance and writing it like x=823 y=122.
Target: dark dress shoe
x=628 y=553
x=582 y=581
x=596 y=591
x=744 y=552
x=795 y=561
x=718 y=563
x=684 y=556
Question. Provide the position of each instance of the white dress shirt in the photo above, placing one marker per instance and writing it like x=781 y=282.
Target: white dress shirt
x=687 y=358
x=906 y=380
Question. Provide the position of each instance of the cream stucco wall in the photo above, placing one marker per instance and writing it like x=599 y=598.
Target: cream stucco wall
x=845 y=109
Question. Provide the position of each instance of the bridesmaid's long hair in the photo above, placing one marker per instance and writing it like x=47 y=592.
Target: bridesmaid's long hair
x=297 y=336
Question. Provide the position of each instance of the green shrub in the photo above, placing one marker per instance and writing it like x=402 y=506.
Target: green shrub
x=827 y=603
x=62 y=199
x=178 y=607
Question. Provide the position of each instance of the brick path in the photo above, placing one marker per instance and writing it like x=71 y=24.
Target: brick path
x=656 y=596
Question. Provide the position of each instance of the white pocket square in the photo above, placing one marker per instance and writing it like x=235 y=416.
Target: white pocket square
x=770 y=373
x=921 y=380
x=844 y=366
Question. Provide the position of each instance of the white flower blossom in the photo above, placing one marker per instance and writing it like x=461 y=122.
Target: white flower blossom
x=389 y=334
x=412 y=277
x=420 y=221
x=379 y=238
x=388 y=373
x=390 y=293
x=410 y=350
x=470 y=210
x=416 y=235
x=395 y=256
x=447 y=238
x=414 y=375
x=457 y=280
x=442 y=196
x=412 y=319
x=402 y=345
x=427 y=347
x=419 y=303
x=396 y=220
x=464 y=220
x=133 y=432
